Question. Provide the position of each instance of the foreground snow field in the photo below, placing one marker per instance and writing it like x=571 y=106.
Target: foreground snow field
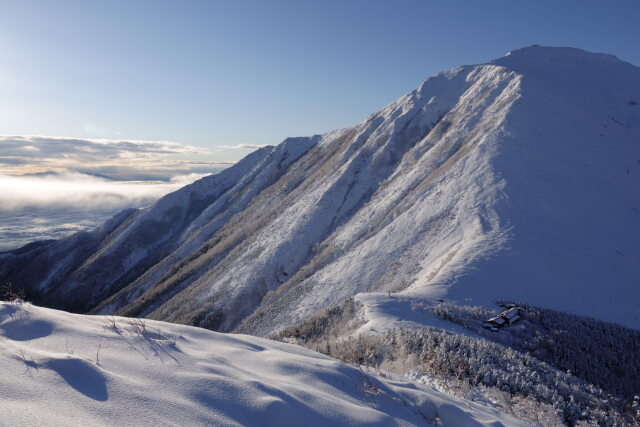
x=67 y=369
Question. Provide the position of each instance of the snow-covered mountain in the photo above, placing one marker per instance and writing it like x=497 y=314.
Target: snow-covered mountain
x=61 y=369
x=518 y=179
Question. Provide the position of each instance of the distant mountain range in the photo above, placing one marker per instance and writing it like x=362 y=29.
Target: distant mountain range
x=518 y=179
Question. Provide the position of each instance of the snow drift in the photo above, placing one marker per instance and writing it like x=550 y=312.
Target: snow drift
x=64 y=369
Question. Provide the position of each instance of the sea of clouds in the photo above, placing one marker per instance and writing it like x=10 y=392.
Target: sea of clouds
x=52 y=187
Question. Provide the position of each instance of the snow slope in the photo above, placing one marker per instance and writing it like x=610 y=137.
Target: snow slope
x=517 y=179
x=65 y=369
x=531 y=193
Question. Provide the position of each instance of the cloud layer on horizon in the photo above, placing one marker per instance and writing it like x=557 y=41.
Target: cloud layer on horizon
x=51 y=187
x=55 y=205
x=72 y=190
x=242 y=146
x=119 y=159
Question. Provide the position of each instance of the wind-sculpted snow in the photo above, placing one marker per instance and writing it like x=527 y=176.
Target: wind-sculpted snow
x=69 y=370
x=516 y=179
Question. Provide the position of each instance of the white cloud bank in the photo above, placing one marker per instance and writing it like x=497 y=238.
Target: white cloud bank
x=51 y=187
x=72 y=189
x=55 y=205
x=242 y=146
x=120 y=159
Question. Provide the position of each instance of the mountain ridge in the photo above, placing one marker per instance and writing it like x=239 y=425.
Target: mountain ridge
x=491 y=181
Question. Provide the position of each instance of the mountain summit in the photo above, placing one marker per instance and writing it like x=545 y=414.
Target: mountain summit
x=518 y=179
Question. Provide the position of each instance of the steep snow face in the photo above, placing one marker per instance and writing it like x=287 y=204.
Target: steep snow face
x=337 y=196
x=63 y=369
x=531 y=194
x=79 y=272
x=516 y=179
x=570 y=163
x=433 y=209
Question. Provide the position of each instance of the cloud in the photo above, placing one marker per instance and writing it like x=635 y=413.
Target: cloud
x=53 y=186
x=25 y=226
x=75 y=190
x=53 y=205
x=61 y=146
x=241 y=146
x=125 y=159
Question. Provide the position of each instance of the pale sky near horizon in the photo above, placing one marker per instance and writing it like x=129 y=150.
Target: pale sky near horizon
x=215 y=74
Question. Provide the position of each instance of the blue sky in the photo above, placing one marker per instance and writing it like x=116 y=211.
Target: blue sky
x=223 y=73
